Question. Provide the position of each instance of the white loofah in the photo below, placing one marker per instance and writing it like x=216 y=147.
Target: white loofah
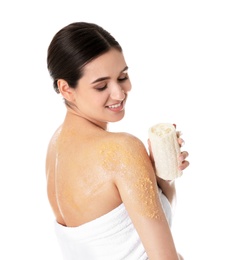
x=165 y=149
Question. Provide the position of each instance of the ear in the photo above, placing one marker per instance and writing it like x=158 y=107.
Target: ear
x=65 y=90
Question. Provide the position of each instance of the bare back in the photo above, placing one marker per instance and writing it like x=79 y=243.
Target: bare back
x=79 y=189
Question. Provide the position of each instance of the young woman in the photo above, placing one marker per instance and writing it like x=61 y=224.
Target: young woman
x=107 y=201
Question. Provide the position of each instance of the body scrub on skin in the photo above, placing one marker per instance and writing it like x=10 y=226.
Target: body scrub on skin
x=142 y=193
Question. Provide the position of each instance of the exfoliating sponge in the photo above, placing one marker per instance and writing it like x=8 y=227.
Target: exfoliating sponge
x=166 y=150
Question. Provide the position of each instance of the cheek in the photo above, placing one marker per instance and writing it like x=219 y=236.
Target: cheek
x=84 y=98
x=91 y=99
x=100 y=98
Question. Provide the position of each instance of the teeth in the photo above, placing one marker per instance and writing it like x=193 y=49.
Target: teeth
x=115 y=106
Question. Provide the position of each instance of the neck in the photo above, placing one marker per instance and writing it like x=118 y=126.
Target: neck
x=74 y=116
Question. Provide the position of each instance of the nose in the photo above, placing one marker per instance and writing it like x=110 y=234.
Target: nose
x=117 y=92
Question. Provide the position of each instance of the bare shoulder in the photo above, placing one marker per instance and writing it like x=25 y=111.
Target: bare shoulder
x=124 y=142
x=133 y=175
x=125 y=152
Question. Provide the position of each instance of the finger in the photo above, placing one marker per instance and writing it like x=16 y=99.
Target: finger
x=181 y=142
x=183 y=155
x=179 y=134
x=184 y=165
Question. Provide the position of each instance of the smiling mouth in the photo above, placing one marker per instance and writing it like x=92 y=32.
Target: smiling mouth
x=117 y=107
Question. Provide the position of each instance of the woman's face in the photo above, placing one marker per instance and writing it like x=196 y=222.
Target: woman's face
x=101 y=93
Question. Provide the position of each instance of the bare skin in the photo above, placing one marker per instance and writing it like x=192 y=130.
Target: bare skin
x=91 y=171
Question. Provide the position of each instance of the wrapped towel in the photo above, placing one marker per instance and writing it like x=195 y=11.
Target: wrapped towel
x=111 y=236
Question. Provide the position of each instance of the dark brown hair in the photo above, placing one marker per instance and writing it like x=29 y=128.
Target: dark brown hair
x=74 y=46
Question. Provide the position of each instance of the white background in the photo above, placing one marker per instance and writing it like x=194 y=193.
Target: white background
x=178 y=56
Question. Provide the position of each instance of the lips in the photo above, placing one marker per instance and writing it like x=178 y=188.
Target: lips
x=116 y=107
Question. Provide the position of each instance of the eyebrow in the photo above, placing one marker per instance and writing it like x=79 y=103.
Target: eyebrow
x=104 y=78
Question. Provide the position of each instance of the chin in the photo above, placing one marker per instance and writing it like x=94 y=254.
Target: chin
x=118 y=118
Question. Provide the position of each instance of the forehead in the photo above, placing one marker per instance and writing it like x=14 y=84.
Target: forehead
x=108 y=64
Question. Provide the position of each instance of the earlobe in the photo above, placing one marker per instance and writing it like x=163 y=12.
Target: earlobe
x=65 y=90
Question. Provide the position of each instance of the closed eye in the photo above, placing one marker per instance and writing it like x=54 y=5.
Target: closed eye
x=124 y=77
x=102 y=88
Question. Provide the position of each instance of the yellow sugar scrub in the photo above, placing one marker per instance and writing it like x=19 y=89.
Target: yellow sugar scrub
x=133 y=174
x=147 y=199
x=166 y=150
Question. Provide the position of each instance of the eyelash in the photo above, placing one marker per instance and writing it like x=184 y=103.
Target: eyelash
x=101 y=89
x=120 y=80
x=123 y=79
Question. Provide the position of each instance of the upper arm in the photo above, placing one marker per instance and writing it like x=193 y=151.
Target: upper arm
x=136 y=182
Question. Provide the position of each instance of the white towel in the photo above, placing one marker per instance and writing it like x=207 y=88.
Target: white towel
x=109 y=237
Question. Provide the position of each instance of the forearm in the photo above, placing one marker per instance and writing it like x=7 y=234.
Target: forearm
x=169 y=190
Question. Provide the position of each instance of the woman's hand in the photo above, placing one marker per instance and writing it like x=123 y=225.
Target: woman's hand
x=183 y=155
